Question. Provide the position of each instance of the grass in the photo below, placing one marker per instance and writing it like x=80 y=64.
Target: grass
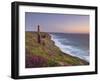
x=48 y=55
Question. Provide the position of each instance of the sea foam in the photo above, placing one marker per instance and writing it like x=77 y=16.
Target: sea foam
x=68 y=49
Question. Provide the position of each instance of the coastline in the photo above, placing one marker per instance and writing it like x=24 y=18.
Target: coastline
x=48 y=55
x=58 y=44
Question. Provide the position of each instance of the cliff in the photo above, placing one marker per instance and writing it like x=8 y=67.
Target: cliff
x=47 y=55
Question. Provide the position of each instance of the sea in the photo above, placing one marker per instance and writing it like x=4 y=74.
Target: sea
x=73 y=44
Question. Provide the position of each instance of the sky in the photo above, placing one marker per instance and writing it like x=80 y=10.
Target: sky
x=63 y=23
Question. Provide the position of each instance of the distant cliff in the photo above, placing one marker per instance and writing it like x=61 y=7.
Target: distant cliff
x=47 y=54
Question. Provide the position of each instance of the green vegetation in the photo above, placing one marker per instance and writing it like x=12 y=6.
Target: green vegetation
x=47 y=55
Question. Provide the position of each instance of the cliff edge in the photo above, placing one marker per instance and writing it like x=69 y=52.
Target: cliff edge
x=47 y=54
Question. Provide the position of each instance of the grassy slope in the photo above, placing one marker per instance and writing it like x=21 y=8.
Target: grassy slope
x=48 y=55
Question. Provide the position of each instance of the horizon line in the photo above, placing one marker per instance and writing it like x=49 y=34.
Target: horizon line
x=59 y=32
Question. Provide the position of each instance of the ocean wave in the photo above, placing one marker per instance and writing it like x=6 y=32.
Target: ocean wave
x=69 y=49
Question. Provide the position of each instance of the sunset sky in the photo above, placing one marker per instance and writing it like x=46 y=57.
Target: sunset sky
x=65 y=23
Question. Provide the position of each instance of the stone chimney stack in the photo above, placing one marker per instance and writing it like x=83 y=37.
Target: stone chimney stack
x=38 y=28
x=38 y=33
